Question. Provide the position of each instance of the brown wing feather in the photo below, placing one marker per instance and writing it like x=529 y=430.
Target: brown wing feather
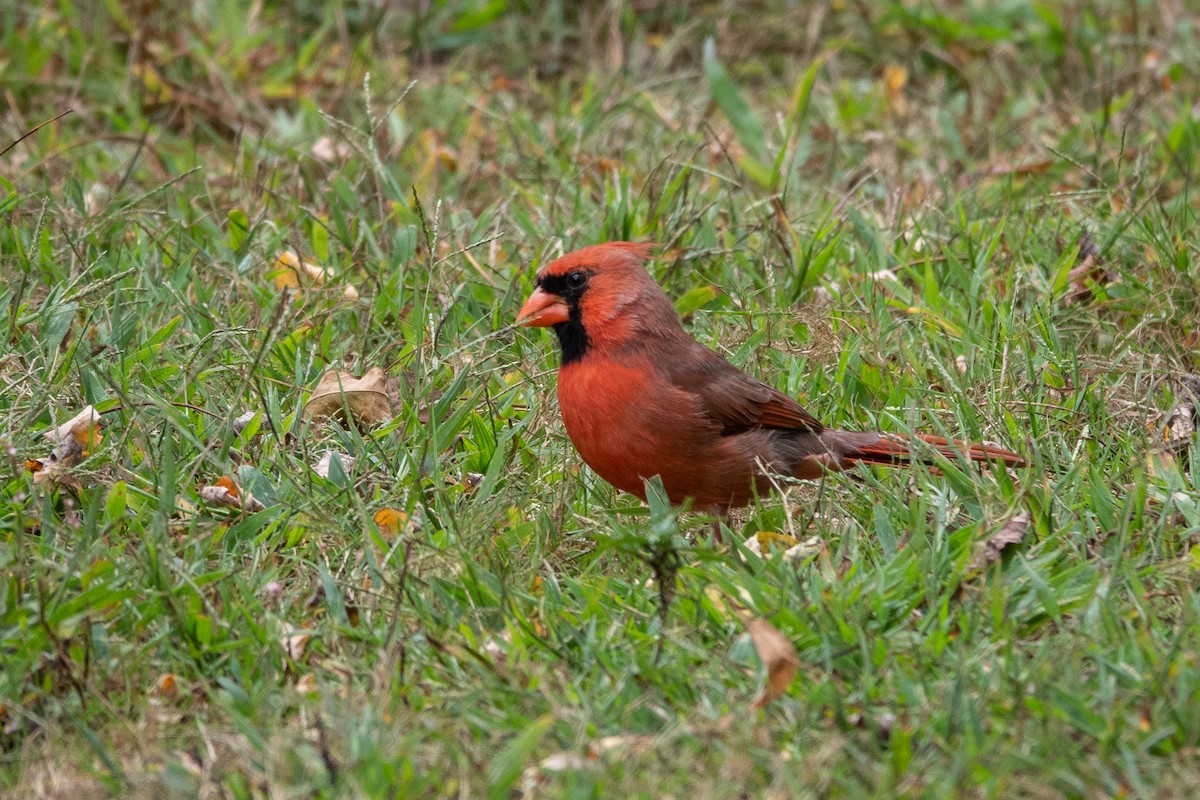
x=733 y=399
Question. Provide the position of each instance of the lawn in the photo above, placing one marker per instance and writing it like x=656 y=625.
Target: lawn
x=963 y=219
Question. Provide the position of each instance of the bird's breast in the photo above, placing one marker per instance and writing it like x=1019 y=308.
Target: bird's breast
x=607 y=410
x=629 y=423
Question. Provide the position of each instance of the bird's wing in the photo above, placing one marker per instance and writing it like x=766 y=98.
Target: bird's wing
x=733 y=399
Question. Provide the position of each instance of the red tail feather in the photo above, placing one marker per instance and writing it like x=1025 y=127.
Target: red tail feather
x=888 y=449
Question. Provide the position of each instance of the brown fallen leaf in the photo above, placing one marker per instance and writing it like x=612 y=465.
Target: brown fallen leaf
x=75 y=438
x=366 y=397
x=83 y=429
x=894 y=79
x=243 y=420
x=1087 y=273
x=165 y=685
x=1181 y=424
x=764 y=544
x=536 y=775
x=561 y=762
x=72 y=441
x=225 y=493
x=989 y=550
x=1029 y=167
x=329 y=150
x=778 y=656
x=222 y=493
x=622 y=745
x=294 y=642
x=322 y=466
x=1177 y=429
x=470 y=481
x=291 y=272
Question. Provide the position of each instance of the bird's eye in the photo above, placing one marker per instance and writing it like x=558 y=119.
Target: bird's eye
x=576 y=280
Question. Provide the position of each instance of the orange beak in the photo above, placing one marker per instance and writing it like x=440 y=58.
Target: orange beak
x=542 y=310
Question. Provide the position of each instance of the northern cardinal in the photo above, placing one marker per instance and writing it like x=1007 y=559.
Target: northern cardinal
x=640 y=397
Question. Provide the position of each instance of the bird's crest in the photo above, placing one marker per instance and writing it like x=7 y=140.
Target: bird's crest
x=609 y=255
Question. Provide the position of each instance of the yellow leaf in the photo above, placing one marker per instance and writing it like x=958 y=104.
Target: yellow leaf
x=390 y=521
x=894 y=78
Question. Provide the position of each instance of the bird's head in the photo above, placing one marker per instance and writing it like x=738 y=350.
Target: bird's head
x=588 y=295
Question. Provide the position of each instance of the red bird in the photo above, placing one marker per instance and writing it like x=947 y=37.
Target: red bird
x=640 y=397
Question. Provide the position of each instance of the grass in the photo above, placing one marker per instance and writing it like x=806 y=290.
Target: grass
x=876 y=208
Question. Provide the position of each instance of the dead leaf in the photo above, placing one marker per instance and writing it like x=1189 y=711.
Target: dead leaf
x=294 y=642
x=894 y=78
x=225 y=493
x=496 y=647
x=307 y=684
x=778 y=656
x=469 y=483
x=329 y=150
x=561 y=762
x=166 y=685
x=989 y=550
x=623 y=745
x=222 y=493
x=291 y=272
x=366 y=397
x=83 y=428
x=764 y=543
x=322 y=466
x=390 y=521
x=1178 y=429
x=1179 y=426
x=242 y=421
x=1029 y=167
x=73 y=441
x=1088 y=272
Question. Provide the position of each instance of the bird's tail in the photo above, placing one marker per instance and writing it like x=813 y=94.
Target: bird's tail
x=883 y=448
